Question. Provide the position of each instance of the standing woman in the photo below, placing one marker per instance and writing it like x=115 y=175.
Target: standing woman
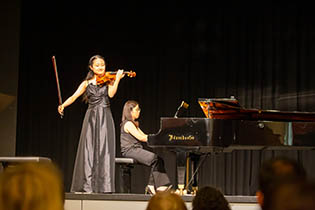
x=94 y=169
x=131 y=137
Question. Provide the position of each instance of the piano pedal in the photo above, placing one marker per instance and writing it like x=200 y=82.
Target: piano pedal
x=181 y=190
x=194 y=190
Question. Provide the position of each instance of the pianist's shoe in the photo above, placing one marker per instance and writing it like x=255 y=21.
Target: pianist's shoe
x=149 y=189
x=164 y=188
x=83 y=192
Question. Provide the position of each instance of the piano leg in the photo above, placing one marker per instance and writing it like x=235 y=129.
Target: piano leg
x=181 y=170
x=187 y=172
x=193 y=165
x=187 y=168
x=192 y=183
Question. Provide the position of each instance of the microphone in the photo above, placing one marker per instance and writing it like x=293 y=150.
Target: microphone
x=182 y=105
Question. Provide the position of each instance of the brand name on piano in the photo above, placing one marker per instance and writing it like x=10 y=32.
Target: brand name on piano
x=181 y=138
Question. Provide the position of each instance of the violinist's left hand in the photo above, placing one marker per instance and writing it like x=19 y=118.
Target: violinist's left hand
x=120 y=74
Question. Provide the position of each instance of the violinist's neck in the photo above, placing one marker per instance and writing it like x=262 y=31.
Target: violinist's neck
x=98 y=75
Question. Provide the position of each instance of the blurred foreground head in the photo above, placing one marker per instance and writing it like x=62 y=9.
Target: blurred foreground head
x=210 y=198
x=279 y=168
x=166 y=201
x=273 y=173
x=31 y=186
x=298 y=195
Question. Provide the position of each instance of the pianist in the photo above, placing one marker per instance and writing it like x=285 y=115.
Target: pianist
x=131 y=137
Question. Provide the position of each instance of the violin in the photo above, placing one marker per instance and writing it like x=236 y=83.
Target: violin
x=110 y=77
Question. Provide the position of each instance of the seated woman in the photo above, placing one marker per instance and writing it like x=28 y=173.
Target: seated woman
x=131 y=137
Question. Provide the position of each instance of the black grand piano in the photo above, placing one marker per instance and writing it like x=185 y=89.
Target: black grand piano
x=227 y=127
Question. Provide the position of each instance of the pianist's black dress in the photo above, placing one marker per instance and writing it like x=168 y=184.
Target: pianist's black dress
x=132 y=148
x=94 y=169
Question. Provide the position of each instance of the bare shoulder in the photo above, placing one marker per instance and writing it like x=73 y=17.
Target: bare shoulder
x=129 y=126
x=84 y=84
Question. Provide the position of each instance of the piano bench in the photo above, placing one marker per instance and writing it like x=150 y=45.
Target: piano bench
x=11 y=161
x=125 y=166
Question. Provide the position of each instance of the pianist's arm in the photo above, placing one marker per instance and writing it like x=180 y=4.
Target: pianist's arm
x=135 y=131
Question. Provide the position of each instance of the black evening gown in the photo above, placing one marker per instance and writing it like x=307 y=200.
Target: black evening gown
x=94 y=169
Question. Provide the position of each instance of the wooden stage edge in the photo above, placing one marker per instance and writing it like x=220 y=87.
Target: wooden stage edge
x=121 y=201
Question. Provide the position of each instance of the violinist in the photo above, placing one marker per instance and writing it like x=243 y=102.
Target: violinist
x=94 y=169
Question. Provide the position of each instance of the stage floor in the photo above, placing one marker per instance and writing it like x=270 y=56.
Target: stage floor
x=120 y=201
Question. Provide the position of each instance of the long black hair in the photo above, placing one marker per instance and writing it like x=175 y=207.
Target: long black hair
x=126 y=114
x=90 y=73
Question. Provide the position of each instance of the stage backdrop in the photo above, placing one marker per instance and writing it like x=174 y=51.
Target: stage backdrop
x=9 y=65
x=263 y=56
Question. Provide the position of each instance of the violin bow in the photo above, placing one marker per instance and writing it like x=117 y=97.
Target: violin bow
x=57 y=81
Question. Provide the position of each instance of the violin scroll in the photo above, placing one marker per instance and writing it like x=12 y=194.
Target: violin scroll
x=131 y=74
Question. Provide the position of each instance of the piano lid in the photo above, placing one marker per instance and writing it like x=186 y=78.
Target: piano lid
x=229 y=108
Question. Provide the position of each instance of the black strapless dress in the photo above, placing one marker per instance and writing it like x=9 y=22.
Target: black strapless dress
x=94 y=169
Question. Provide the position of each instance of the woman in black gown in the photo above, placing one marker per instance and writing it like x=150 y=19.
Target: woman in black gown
x=131 y=137
x=94 y=169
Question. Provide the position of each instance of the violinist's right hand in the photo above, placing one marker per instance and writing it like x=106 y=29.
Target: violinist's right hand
x=120 y=74
x=60 y=109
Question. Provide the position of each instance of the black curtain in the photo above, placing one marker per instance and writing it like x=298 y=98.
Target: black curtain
x=236 y=173
x=263 y=55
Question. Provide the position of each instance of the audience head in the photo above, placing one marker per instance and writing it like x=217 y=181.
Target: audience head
x=31 y=186
x=209 y=198
x=299 y=195
x=166 y=201
x=275 y=171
